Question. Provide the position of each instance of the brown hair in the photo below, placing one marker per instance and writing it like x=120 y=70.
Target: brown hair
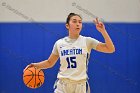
x=71 y=15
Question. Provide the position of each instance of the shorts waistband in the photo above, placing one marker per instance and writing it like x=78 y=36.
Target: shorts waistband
x=66 y=80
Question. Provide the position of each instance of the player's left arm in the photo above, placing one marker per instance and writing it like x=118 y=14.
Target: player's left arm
x=108 y=46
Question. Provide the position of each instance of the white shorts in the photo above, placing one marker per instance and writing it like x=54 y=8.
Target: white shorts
x=70 y=86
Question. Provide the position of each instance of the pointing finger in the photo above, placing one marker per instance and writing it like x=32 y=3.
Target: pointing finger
x=97 y=21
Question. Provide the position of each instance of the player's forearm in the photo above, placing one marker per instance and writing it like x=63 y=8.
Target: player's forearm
x=43 y=64
x=108 y=42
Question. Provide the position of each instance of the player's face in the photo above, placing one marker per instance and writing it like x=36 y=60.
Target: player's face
x=75 y=25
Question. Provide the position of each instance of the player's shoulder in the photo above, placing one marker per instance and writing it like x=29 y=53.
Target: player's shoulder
x=82 y=36
x=89 y=38
x=86 y=37
x=61 y=40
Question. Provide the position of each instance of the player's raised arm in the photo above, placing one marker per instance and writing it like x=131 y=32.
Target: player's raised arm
x=108 y=46
x=46 y=63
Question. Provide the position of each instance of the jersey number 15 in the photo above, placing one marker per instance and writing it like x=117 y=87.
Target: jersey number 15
x=71 y=62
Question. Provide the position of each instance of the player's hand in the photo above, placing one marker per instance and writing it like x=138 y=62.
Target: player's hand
x=99 y=25
x=28 y=66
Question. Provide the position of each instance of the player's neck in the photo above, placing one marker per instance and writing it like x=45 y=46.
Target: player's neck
x=73 y=36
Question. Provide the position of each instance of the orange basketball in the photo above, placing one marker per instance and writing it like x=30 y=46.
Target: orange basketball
x=33 y=77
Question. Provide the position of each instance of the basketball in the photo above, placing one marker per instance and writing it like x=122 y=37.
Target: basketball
x=33 y=77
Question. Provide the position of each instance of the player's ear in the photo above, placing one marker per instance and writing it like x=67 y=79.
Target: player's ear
x=67 y=26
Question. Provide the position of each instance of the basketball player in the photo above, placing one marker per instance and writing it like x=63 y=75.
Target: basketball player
x=74 y=51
